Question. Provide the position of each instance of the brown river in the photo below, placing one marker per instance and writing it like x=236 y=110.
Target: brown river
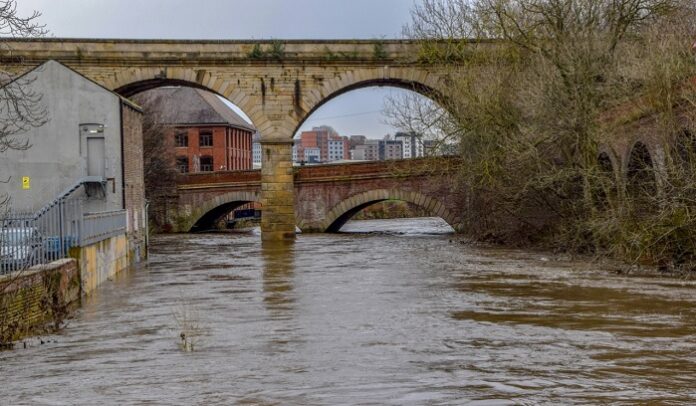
x=392 y=312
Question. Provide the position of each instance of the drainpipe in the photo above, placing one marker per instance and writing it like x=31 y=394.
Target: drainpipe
x=147 y=229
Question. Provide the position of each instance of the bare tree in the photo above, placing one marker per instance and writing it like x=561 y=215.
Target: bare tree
x=159 y=166
x=21 y=107
x=536 y=86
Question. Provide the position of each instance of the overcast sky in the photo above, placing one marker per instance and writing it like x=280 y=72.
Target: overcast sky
x=356 y=112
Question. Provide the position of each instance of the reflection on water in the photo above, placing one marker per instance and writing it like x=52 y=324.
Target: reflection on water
x=403 y=317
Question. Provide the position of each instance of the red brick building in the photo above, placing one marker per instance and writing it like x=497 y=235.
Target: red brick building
x=206 y=134
x=332 y=146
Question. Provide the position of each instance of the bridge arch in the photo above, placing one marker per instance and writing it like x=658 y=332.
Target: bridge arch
x=343 y=211
x=204 y=216
x=417 y=80
x=641 y=177
x=140 y=80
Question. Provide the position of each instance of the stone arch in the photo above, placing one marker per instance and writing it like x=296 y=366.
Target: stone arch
x=418 y=80
x=605 y=162
x=684 y=146
x=138 y=80
x=640 y=170
x=213 y=209
x=343 y=211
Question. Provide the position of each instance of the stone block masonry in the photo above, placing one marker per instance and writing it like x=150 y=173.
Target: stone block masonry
x=277 y=192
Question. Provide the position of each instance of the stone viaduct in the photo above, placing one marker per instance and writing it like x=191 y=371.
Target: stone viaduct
x=326 y=196
x=278 y=84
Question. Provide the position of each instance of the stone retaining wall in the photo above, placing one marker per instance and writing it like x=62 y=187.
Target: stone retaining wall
x=37 y=299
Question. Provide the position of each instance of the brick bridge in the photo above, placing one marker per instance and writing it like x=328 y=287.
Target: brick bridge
x=278 y=84
x=325 y=196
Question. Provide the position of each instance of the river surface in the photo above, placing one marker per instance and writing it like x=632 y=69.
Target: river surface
x=406 y=316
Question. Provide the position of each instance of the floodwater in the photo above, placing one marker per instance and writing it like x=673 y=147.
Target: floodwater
x=404 y=317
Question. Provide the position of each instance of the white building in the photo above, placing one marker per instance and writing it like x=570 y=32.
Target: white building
x=412 y=146
x=256 y=150
x=312 y=155
x=336 y=150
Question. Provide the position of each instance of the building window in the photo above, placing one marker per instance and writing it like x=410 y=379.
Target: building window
x=206 y=163
x=181 y=139
x=182 y=164
x=205 y=139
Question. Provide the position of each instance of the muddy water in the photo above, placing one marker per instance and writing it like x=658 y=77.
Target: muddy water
x=400 y=317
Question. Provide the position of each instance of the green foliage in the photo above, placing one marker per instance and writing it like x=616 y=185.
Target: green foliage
x=276 y=50
x=379 y=51
x=256 y=52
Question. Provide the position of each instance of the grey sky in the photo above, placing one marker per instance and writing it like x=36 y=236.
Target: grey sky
x=353 y=113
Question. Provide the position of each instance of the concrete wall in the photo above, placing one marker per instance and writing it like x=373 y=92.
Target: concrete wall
x=35 y=298
x=57 y=157
x=101 y=261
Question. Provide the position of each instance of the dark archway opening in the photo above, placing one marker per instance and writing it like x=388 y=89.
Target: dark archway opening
x=386 y=222
x=228 y=215
x=604 y=188
x=641 y=179
x=641 y=182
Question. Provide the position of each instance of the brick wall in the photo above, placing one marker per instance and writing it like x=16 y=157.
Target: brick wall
x=37 y=298
x=131 y=122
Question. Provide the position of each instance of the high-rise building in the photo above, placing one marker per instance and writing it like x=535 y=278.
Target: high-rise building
x=412 y=144
x=390 y=149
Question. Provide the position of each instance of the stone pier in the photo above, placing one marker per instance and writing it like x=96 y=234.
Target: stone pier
x=277 y=191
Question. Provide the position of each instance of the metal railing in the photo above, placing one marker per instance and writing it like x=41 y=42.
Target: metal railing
x=100 y=226
x=28 y=239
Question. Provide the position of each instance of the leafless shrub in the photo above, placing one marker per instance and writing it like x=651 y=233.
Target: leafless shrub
x=545 y=83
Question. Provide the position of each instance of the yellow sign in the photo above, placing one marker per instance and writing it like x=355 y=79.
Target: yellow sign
x=26 y=183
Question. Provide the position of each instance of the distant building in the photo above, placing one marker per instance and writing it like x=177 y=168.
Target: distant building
x=358 y=153
x=390 y=149
x=332 y=147
x=337 y=149
x=312 y=155
x=372 y=148
x=356 y=140
x=256 y=150
x=411 y=144
x=207 y=134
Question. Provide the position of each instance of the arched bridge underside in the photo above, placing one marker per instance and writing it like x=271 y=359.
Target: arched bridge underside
x=326 y=196
x=276 y=83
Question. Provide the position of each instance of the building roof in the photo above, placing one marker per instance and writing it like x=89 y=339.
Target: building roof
x=189 y=106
